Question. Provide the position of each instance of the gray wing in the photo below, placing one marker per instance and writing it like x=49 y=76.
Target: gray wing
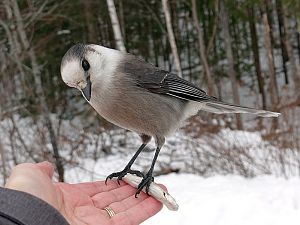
x=159 y=81
x=162 y=82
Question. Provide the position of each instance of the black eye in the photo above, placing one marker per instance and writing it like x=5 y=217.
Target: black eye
x=85 y=65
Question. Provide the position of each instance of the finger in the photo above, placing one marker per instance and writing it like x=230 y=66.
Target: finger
x=104 y=199
x=128 y=203
x=131 y=201
x=139 y=213
x=46 y=167
x=93 y=188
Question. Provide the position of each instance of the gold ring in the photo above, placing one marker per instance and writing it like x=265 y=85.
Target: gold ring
x=110 y=212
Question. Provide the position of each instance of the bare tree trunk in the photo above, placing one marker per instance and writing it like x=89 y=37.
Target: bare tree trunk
x=171 y=37
x=255 y=49
x=214 y=29
x=210 y=81
x=188 y=44
x=282 y=34
x=298 y=37
x=272 y=73
x=297 y=19
x=39 y=88
x=293 y=64
x=91 y=32
x=271 y=65
x=15 y=47
x=229 y=54
x=122 y=20
x=116 y=25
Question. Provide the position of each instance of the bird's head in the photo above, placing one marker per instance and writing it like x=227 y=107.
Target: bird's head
x=82 y=65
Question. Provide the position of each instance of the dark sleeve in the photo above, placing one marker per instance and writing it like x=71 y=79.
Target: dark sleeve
x=20 y=208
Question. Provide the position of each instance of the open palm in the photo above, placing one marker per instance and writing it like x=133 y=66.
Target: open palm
x=82 y=204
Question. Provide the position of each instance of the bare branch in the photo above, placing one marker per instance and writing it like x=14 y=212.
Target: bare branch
x=172 y=37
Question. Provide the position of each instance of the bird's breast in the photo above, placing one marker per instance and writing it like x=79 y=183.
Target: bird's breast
x=138 y=110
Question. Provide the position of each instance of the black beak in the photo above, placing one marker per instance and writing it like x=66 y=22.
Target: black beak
x=87 y=91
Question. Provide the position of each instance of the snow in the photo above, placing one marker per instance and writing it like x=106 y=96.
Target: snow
x=215 y=200
x=226 y=152
x=221 y=195
x=230 y=200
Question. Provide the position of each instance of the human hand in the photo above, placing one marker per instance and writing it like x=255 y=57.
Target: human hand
x=84 y=203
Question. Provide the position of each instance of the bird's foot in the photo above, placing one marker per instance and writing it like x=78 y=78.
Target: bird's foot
x=147 y=180
x=121 y=174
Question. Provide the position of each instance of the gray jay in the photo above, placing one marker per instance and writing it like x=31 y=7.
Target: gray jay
x=138 y=96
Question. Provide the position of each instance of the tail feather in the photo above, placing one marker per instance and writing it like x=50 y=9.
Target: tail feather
x=221 y=108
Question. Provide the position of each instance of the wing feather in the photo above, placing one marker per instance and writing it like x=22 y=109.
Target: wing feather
x=160 y=81
x=184 y=89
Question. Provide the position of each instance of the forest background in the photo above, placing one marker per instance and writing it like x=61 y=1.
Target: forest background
x=242 y=51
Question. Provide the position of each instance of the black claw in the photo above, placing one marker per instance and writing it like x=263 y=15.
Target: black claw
x=111 y=176
x=136 y=172
x=147 y=180
x=106 y=180
x=137 y=193
x=121 y=174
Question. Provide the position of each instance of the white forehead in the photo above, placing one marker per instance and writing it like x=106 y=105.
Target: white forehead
x=71 y=72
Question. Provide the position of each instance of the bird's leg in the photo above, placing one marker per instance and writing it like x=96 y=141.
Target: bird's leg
x=148 y=179
x=127 y=168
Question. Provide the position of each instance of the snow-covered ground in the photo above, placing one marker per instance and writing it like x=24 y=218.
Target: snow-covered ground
x=218 y=200
x=215 y=200
x=210 y=199
x=224 y=152
x=230 y=200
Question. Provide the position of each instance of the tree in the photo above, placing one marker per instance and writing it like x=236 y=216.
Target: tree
x=207 y=72
x=255 y=49
x=35 y=69
x=282 y=35
x=229 y=54
x=89 y=18
x=116 y=25
x=171 y=37
x=269 y=47
x=293 y=64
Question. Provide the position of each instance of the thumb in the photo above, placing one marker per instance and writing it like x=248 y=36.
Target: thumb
x=47 y=168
